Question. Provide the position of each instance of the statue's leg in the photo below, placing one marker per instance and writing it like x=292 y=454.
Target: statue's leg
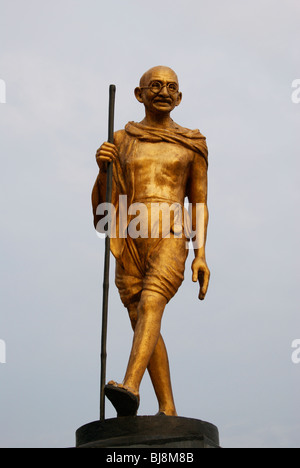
x=159 y=370
x=146 y=336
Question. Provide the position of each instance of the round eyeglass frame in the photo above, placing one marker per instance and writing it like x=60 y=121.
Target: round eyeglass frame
x=157 y=86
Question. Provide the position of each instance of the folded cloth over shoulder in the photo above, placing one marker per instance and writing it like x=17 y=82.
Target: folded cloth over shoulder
x=191 y=139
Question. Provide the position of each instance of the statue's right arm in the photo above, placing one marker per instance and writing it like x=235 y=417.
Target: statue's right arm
x=105 y=154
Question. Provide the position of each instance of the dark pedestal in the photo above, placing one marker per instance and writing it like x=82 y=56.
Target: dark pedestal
x=148 y=432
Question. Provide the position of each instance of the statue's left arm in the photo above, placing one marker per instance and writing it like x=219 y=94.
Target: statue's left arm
x=197 y=195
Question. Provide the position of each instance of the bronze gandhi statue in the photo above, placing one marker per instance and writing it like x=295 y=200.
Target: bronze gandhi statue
x=154 y=161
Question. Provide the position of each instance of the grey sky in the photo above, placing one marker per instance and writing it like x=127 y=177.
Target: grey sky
x=231 y=355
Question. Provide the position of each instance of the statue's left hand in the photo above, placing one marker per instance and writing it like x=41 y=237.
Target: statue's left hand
x=202 y=274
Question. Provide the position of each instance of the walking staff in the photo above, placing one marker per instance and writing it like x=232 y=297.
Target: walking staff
x=112 y=94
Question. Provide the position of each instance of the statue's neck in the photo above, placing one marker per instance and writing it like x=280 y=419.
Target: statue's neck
x=158 y=121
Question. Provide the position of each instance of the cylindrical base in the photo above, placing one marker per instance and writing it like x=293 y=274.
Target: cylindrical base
x=148 y=432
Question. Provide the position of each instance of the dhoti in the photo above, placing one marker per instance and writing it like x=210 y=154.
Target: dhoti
x=151 y=264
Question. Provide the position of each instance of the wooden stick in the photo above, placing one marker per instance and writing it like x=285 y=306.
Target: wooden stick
x=112 y=93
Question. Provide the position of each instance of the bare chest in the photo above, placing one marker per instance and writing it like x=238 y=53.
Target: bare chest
x=159 y=160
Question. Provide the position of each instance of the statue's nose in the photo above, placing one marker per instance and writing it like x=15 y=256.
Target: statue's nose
x=164 y=91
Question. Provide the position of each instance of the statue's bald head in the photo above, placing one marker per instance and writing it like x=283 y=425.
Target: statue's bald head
x=163 y=98
x=156 y=73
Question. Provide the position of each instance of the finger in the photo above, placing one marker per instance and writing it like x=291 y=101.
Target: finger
x=107 y=154
x=109 y=147
x=201 y=296
x=109 y=151
x=204 y=282
x=104 y=159
x=195 y=274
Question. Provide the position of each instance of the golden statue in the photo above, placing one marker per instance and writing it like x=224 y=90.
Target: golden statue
x=154 y=161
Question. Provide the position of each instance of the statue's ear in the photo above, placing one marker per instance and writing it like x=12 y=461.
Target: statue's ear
x=138 y=94
x=179 y=99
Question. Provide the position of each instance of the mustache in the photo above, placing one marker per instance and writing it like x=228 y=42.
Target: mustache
x=162 y=99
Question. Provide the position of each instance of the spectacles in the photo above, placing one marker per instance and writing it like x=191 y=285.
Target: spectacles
x=157 y=86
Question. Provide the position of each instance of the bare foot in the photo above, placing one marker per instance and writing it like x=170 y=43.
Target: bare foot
x=124 y=387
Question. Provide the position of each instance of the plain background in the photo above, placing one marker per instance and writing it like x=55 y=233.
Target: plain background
x=231 y=355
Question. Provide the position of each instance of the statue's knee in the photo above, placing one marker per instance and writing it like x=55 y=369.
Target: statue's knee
x=152 y=303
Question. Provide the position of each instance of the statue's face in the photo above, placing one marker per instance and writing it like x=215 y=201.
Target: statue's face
x=159 y=90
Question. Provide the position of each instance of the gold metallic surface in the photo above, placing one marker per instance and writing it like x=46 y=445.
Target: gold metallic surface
x=155 y=161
